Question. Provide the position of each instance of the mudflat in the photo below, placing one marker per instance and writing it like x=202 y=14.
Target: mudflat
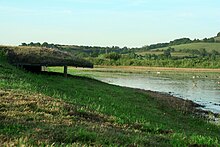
x=144 y=68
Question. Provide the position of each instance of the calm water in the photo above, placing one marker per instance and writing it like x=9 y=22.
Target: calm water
x=203 y=89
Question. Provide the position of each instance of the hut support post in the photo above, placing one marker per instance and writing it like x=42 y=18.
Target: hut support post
x=65 y=71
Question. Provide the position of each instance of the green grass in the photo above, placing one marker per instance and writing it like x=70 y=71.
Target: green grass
x=43 y=56
x=208 y=46
x=173 y=54
x=75 y=111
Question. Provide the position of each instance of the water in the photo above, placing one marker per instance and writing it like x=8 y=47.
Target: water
x=202 y=89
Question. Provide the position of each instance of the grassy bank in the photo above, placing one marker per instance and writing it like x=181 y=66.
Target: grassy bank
x=50 y=109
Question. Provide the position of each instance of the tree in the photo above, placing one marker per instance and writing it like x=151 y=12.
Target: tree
x=132 y=55
x=205 y=40
x=94 y=54
x=37 y=44
x=171 y=49
x=196 y=40
x=211 y=40
x=113 y=56
x=167 y=53
x=214 y=54
x=203 y=52
x=180 y=41
x=23 y=44
x=194 y=52
x=31 y=44
x=45 y=44
x=218 y=35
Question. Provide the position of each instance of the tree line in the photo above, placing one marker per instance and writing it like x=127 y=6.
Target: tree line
x=153 y=60
x=38 y=44
x=180 y=41
x=128 y=56
x=94 y=51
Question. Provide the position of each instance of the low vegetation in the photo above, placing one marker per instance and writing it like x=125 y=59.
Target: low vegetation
x=26 y=55
x=48 y=109
x=155 y=61
x=179 y=53
x=209 y=47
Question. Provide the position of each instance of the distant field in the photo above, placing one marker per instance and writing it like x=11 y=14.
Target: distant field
x=175 y=54
x=208 y=46
x=150 y=52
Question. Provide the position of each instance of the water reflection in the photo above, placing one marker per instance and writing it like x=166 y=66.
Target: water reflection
x=202 y=91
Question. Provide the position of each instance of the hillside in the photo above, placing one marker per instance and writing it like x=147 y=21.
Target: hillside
x=178 y=53
x=48 y=109
x=183 y=49
x=211 y=43
x=195 y=46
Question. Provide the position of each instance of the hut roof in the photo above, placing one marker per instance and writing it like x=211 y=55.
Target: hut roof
x=38 y=56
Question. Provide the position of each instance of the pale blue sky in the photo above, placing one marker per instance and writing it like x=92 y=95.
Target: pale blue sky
x=132 y=23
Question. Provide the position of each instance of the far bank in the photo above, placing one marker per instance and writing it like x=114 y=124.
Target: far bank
x=145 y=68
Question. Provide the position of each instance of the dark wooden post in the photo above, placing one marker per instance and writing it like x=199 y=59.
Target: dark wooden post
x=65 y=71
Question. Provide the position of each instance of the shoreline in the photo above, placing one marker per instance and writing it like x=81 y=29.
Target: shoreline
x=177 y=103
x=144 y=68
x=158 y=70
x=183 y=105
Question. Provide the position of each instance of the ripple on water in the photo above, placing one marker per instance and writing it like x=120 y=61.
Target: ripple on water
x=202 y=91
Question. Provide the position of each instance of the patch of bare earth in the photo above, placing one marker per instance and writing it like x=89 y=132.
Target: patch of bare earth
x=182 y=105
x=174 y=102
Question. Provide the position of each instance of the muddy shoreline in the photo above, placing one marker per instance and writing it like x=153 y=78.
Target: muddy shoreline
x=168 y=100
x=159 y=71
x=182 y=105
x=144 y=68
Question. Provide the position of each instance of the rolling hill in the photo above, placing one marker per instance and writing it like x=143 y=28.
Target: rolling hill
x=208 y=46
x=191 y=46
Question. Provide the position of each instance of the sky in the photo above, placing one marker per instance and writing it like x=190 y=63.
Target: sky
x=131 y=23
